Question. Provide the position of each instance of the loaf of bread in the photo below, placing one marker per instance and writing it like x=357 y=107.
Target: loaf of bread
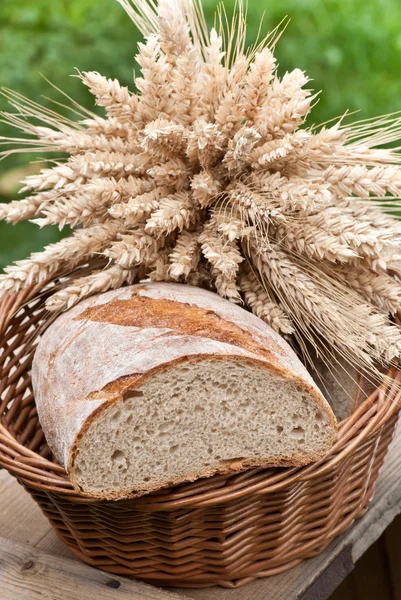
x=156 y=384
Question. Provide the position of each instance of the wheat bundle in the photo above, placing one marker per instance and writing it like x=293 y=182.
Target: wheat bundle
x=208 y=176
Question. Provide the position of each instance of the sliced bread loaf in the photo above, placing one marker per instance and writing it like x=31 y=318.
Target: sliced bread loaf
x=155 y=384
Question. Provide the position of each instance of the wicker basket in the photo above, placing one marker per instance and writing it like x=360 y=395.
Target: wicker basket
x=226 y=530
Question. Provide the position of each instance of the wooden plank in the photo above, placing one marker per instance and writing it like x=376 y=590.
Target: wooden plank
x=28 y=574
x=51 y=544
x=22 y=520
x=338 y=570
x=16 y=516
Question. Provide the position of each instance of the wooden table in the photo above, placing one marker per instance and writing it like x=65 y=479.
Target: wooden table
x=35 y=564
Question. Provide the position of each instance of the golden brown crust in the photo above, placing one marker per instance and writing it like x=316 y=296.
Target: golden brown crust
x=115 y=388
x=183 y=319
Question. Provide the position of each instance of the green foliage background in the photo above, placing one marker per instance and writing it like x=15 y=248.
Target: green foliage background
x=350 y=48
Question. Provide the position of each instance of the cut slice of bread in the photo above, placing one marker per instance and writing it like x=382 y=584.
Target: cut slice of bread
x=156 y=384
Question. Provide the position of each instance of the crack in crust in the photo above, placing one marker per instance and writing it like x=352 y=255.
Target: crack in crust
x=184 y=319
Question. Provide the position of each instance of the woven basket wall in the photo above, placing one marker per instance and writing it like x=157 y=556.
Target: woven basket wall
x=226 y=530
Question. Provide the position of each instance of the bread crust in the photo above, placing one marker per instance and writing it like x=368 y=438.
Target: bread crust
x=113 y=342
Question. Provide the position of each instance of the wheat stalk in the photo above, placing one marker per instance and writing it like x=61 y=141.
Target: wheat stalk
x=206 y=174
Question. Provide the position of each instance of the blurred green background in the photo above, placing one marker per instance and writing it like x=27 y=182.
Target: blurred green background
x=350 y=48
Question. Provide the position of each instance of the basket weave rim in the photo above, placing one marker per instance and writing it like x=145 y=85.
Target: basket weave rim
x=43 y=474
